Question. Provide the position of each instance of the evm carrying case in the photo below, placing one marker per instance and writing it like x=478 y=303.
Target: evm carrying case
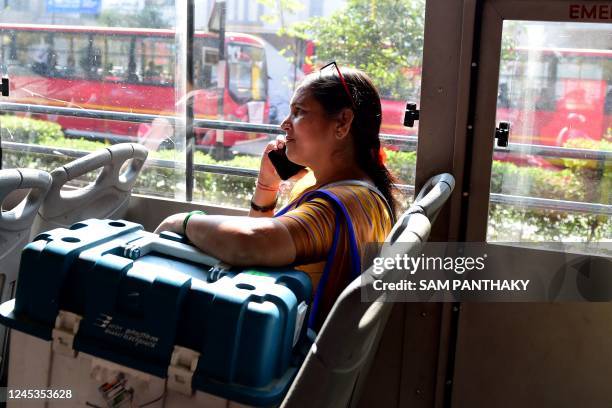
x=119 y=315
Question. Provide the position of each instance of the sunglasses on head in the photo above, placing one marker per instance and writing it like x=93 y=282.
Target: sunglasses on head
x=346 y=88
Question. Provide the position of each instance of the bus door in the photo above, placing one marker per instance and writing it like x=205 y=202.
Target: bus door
x=543 y=205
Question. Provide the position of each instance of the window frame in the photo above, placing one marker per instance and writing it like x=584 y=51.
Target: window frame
x=478 y=126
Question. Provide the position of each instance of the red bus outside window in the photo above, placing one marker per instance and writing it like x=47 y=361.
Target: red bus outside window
x=132 y=70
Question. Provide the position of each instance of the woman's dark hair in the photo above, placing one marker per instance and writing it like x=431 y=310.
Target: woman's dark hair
x=328 y=90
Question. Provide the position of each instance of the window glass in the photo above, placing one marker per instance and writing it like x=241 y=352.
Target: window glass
x=120 y=59
x=126 y=57
x=554 y=90
x=269 y=48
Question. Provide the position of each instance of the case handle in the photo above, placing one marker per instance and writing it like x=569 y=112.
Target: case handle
x=167 y=246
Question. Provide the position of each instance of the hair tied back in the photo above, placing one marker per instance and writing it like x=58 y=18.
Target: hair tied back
x=382 y=156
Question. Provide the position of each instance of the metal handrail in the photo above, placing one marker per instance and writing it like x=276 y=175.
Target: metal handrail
x=555 y=151
x=530 y=202
x=148 y=118
x=407 y=141
x=136 y=117
x=163 y=163
x=551 y=204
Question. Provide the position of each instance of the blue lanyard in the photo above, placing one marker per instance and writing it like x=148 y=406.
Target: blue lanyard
x=353 y=249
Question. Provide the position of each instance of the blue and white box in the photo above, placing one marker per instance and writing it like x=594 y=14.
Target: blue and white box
x=110 y=315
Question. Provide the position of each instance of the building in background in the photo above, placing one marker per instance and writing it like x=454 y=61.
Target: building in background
x=69 y=12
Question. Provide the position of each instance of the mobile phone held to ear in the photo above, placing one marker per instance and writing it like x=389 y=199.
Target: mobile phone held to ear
x=284 y=167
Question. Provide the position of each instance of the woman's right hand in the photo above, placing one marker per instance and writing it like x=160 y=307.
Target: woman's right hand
x=267 y=173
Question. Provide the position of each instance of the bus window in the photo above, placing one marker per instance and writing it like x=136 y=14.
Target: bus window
x=65 y=49
x=90 y=57
x=155 y=60
x=24 y=49
x=554 y=96
x=109 y=58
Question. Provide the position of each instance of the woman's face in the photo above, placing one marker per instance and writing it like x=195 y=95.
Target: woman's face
x=310 y=131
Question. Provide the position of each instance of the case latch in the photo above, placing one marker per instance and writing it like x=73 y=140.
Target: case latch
x=183 y=364
x=66 y=327
x=218 y=271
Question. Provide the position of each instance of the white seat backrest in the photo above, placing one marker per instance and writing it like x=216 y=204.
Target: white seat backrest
x=15 y=224
x=107 y=197
x=338 y=362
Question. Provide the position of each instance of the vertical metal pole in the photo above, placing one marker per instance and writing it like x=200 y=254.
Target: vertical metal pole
x=189 y=132
x=222 y=11
x=219 y=151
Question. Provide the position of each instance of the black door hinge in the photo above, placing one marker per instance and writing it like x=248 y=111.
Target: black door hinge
x=5 y=87
x=502 y=134
x=412 y=114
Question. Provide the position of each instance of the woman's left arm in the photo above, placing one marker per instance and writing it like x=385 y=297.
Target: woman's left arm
x=238 y=241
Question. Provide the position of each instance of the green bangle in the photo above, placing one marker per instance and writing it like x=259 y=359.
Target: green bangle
x=187 y=217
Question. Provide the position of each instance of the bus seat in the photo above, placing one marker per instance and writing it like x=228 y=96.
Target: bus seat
x=337 y=364
x=16 y=223
x=106 y=197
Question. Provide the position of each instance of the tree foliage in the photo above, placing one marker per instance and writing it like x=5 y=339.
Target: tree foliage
x=147 y=18
x=382 y=37
x=278 y=9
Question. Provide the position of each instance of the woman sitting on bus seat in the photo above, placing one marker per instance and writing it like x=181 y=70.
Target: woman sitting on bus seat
x=335 y=134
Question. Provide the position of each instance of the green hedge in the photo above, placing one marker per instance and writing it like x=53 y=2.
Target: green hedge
x=26 y=130
x=580 y=180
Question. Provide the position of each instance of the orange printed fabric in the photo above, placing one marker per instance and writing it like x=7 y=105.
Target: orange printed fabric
x=311 y=225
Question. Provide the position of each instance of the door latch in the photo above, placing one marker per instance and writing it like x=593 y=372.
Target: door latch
x=502 y=134
x=5 y=87
x=412 y=114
